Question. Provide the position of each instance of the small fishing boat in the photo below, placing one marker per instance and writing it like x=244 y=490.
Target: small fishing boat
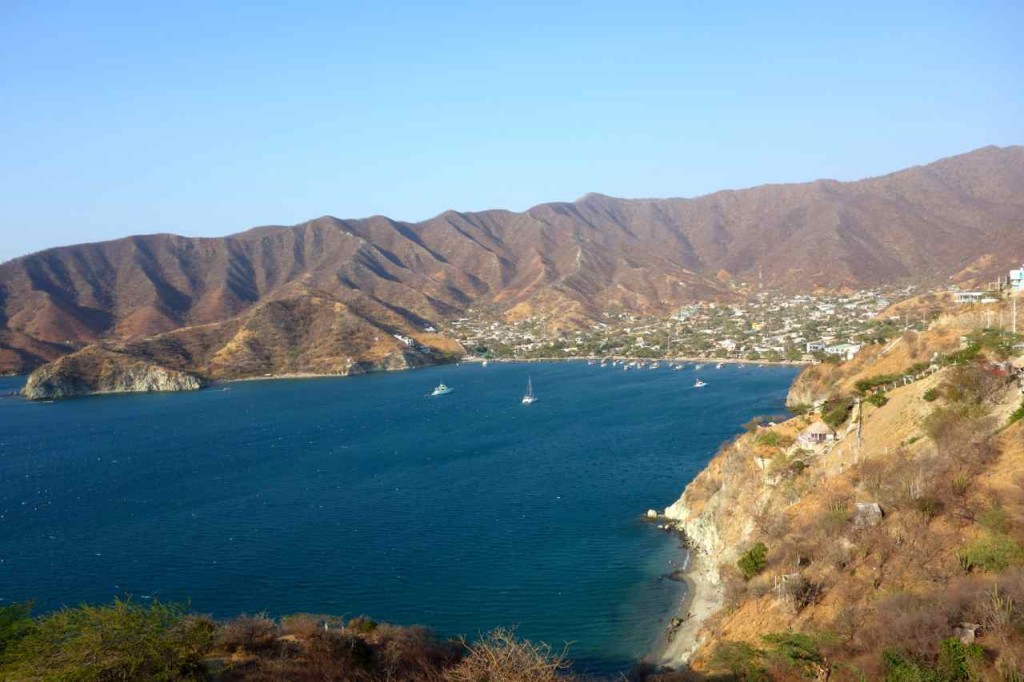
x=718 y=366
x=441 y=390
x=699 y=384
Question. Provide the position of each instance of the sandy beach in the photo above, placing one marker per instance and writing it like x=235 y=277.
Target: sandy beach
x=703 y=598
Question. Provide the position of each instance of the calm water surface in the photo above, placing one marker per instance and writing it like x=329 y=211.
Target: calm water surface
x=361 y=495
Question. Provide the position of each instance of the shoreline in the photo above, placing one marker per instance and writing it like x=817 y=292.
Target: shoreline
x=703 y=599
x=620 y=358
x=479 y=361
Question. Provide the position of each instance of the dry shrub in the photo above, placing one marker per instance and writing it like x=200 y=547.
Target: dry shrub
x=910 y=624
x=305 y=625
x=501 y=657
x=345 y=655
x=413 y=653
x=915 y=624
x=972 y=384
x=249 y=633
x=963 y=435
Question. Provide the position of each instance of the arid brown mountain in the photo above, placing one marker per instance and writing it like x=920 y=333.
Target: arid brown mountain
x=330 y=294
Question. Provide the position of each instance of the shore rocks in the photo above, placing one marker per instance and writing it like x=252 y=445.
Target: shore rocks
x=95 y=370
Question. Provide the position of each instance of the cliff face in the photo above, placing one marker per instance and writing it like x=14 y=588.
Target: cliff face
x=96 y=370
x=891 y=546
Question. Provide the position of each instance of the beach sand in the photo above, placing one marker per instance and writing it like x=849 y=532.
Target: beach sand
x=703 y=598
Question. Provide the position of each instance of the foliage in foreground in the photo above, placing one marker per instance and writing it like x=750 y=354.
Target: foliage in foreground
x=129 y=641
x=121 y=641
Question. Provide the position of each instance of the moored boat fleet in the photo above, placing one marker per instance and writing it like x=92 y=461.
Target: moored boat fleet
x=530 y=397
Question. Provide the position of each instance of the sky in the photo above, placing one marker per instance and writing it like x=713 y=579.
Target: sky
x=205 y=119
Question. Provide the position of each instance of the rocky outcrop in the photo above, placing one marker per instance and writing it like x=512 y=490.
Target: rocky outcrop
x=96 y=370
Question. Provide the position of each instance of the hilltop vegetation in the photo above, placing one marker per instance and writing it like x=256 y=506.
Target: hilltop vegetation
x=894 y=553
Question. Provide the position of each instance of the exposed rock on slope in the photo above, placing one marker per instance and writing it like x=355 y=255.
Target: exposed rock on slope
x=961 y=214
x=99 y=370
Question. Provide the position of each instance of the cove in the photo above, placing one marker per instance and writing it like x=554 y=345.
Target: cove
x=361 y=495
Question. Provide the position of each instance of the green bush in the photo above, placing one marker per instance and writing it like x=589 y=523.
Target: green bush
x=15 y=623
x=994 y=519
x=753 y=561
x=865 y=385
x=800 y=408
x=957 y=662
x=992 y=554
x=960 y=357
x=123 y=641
x=774 y=439
x=836 y=410
x=1018 y=414
x=878 y=399
x=799 y=650
x=931 y=395
x=740 y=660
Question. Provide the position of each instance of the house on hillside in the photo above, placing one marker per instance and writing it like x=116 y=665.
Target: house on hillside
x=844 y=350
x=1017 y=279
x=968 y=296
x=817 y=433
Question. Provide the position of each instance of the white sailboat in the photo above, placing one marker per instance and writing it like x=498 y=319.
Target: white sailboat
x=529 y=398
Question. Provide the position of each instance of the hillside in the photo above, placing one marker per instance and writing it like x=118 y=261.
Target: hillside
x=896 y=551
x=956 y=217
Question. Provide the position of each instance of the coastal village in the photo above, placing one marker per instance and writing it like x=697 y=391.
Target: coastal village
x=767 y=327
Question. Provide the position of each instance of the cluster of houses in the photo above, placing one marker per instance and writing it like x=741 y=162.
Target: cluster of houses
x=764 y=327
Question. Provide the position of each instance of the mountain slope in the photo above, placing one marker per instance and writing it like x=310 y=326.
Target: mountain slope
x=884 y=551
x=574 y=258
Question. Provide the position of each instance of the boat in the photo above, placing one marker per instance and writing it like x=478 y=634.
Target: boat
x=698 y=367
x=529 y=398
x=441 y=390
x=718 y=366
x=654 y=365
x=485 y=363
x=699 y=384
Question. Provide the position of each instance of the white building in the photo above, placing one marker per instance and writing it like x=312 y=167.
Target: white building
x=968 y=296
x=1017 y=279
x=844 y=350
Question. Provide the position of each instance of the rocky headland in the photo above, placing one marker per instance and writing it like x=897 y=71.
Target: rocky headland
x=97 y=370
x=890 y=543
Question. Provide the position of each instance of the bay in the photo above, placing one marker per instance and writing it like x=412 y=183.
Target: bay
x=361 y=495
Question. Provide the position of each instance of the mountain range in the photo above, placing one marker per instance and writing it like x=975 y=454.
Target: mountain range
x=330 y=295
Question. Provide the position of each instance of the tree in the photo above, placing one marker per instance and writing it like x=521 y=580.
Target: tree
x=753 y=561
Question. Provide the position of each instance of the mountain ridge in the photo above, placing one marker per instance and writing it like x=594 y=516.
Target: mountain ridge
x=571 y=260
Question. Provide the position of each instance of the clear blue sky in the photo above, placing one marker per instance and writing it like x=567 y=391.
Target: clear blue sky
x=186 y=117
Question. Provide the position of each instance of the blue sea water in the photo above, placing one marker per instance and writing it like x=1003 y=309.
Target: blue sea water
x=361 y=495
